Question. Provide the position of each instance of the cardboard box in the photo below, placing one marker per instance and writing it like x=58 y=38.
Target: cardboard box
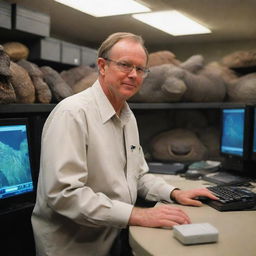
x=46 y=49
x=70 y=53
x=30 y=21
x=89 y=56
x=5 y=15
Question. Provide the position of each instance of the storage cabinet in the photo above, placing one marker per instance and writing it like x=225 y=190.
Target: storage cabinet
x=48 y=49
x=88 y=56
x=5 y=15
x=70 y=53
x=30 y=21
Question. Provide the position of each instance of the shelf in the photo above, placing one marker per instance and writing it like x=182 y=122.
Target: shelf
x=46 y=108
x=185 y=105
x=26 y=108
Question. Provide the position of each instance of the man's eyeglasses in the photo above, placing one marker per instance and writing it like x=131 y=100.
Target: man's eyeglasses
x=127 y=67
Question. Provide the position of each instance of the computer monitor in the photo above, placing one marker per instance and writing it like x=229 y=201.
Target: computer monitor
x=254 y=135
x=16 y=176
x=235 y=138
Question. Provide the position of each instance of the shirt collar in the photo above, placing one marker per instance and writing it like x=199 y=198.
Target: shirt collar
x=105 y=107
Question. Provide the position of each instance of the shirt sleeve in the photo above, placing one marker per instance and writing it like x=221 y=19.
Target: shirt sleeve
x=64 y=176
x=151 y=187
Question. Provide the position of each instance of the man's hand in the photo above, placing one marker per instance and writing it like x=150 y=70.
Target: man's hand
x=159 y=216
x=188 y=197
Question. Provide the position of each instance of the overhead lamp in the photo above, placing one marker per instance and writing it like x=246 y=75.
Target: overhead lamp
x=172 y=22
x=102 y=8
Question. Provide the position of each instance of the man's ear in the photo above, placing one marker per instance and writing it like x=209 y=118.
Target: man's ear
x=101 y=66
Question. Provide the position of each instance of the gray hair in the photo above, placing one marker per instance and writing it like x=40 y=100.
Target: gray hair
x=111 y=40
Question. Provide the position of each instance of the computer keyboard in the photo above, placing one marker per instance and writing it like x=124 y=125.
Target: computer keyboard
x=231 y=198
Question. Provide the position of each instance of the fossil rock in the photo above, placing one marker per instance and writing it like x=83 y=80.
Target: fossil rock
x=16 y=50
x=42 y=91
x=22 y=84
x=179 y=145
x=243 y=89
x=162 y=57
x=7 y=94
x=59 y=88
x=74 y=75
x=85 y=83
x=191 y=81
x=240 y=59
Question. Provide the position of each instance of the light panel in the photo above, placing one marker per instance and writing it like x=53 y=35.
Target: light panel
x=172 y=22
x=102 y=8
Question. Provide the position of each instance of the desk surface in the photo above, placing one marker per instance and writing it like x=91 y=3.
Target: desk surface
x=237 y=231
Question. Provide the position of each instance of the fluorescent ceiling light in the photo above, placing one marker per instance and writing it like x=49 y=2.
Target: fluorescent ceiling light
x=101 y=8
x=172 y=22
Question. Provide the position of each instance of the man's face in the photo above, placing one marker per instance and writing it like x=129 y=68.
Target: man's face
x=117 y=83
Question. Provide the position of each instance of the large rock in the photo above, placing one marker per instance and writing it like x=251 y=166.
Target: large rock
x=207 y=85
x=178 y=145
x=191 y=81
x=85 y=82
x=74 y=75
x=59 y=88
x=243 y=89
x=7 y=93
x=43 y=92
x=240 y=59
x=162 y=57
x=16 y=50
x=22 y=84
x=161 y=86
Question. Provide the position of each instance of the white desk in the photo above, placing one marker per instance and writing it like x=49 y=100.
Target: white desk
x=237 y=231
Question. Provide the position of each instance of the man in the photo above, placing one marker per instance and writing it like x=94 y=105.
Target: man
x=92 y=166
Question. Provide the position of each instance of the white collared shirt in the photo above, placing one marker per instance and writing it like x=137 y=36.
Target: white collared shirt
x=91 y=169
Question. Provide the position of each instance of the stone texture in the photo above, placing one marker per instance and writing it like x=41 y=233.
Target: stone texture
x=42 y=91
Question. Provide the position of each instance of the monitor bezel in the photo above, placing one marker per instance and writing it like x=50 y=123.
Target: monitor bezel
x=234 y=162
x=17 y=201
x=253 y=154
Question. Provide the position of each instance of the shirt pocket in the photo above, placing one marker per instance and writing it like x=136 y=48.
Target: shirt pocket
x=135 y=159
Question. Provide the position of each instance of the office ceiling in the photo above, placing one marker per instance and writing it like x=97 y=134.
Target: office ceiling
x=229 y=20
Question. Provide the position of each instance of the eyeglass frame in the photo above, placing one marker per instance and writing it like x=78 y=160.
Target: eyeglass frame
x=122 y=65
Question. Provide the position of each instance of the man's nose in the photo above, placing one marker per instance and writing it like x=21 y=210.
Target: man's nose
x=133 y=72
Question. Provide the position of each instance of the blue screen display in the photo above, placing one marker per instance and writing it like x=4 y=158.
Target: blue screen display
x=232 y=140
x=254 y=131
x=15 y=169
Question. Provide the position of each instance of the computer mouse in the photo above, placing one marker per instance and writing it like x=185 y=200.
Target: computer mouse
x=203 y=199
x=192 y=174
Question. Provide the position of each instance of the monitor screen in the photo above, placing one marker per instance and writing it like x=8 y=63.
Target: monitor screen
x=254 y=136
x=16 y=179
x=232 y=135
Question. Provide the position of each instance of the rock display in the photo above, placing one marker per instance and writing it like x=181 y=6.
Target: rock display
x=22 y=84
x=162 y=57
x=191 y=81
x=42 y=91
x=16 y=50
x=85 y=82
x=74 y=75
x=240 y=59
x=59 y=88
x=242 y=89
x=179 y=145
x=7 y=93
x=80 y=78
